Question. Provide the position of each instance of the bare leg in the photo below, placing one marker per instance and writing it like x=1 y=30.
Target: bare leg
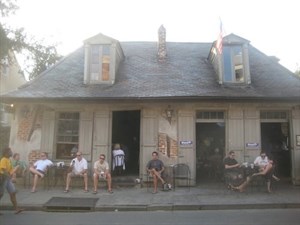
x=85 y=178
x=269 y=186
x=95 y=176
x=275 y=178
x=157 y=174
x=13 y=200
x=34 y=171
x=35 y=181
x=155 y=181
x=108 y=178
x=243 y=186
x=68 y=181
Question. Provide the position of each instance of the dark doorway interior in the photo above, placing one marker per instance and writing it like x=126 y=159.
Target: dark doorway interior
x=209 y=150
x=275 y=142
x=126 y=131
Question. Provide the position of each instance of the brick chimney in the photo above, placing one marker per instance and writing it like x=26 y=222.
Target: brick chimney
x=162 y=48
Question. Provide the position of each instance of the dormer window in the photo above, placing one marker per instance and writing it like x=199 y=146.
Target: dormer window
x=100 y=61
x=103 y=56
x=233 y=64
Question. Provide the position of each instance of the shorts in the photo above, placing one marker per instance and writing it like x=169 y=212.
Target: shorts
x=9 y=186
x=73 y=174
x=100 y=176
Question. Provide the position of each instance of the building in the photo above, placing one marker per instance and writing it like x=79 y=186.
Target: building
x=10 y=79
x=182 y=99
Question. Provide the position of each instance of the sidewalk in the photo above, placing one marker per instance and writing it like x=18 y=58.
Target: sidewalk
x=202 y=197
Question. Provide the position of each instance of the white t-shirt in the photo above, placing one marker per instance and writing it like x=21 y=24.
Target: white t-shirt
x=42 y=164
x=260 y=161
x=79 y=166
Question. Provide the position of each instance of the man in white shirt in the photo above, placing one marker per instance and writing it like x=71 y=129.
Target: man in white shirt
x=78 y=167
x=261 y=160
x=39 y=169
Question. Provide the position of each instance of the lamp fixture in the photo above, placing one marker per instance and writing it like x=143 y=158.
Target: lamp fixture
x=169 y=113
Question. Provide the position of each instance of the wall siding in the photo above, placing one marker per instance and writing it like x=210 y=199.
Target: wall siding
x=101 y=143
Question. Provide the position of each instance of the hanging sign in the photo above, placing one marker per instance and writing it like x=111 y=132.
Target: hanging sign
x=252 y=145
x=185 y=143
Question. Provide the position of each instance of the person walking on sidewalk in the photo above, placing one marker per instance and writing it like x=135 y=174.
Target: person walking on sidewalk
x=155 y=167
x=101 y=171
x=6 y=171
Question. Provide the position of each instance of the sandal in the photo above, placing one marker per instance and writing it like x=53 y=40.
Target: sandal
x=95 y=192
x=110 y=191
x=19 y=211
x=86 y=191
x=66 y=191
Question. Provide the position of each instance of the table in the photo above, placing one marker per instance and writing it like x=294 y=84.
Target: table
x=248 y=170
x=57 y=173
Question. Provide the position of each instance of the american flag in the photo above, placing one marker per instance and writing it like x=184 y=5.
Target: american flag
x=219 y=44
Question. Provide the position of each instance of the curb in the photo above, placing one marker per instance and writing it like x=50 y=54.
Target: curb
x=167 y=207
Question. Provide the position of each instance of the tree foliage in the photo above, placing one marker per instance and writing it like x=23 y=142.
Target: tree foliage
x=38 y=56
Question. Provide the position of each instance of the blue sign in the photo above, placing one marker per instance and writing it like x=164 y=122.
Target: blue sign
x=252 y=145
x=186 y=142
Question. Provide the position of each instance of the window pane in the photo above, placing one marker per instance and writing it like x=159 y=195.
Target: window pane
x=238 y=63
x=227 y=63
x=67 y=134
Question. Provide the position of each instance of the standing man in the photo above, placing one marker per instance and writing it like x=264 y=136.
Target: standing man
x=78 y=167
x=39 y=169
x=101 y=171
x=155 y=167
x=6 y=171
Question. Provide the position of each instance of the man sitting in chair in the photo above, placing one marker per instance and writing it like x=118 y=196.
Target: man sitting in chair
x=101 y=171
x=155 y=167
x=78 y=167
x=232 y=170
x=39 y=169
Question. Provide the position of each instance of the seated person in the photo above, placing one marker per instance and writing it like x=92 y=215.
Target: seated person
x=266 y=171
x=78 y=167
x=232 y=168
x=39 y=169
x=261 y=160
x=101 y=171
x=155 y=167
x=20 y=172
x=118 y=159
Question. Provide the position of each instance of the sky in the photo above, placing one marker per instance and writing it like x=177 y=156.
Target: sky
x=272 y=27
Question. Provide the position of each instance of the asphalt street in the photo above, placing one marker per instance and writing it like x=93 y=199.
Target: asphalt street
x=203 y=217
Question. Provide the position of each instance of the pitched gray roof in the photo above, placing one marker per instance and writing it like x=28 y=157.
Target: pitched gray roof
x=185 y=74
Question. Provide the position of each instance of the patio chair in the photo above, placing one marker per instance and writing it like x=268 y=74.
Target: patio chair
x=181 y=172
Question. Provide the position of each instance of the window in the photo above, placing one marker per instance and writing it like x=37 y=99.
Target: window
x=233 y=64
x=273 y=115
x=100 y=61
x=214 y=115
x=67 y=137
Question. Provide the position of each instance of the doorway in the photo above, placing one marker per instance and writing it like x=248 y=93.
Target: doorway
x=126 y=132
x=275 y=142
x=210 y=148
